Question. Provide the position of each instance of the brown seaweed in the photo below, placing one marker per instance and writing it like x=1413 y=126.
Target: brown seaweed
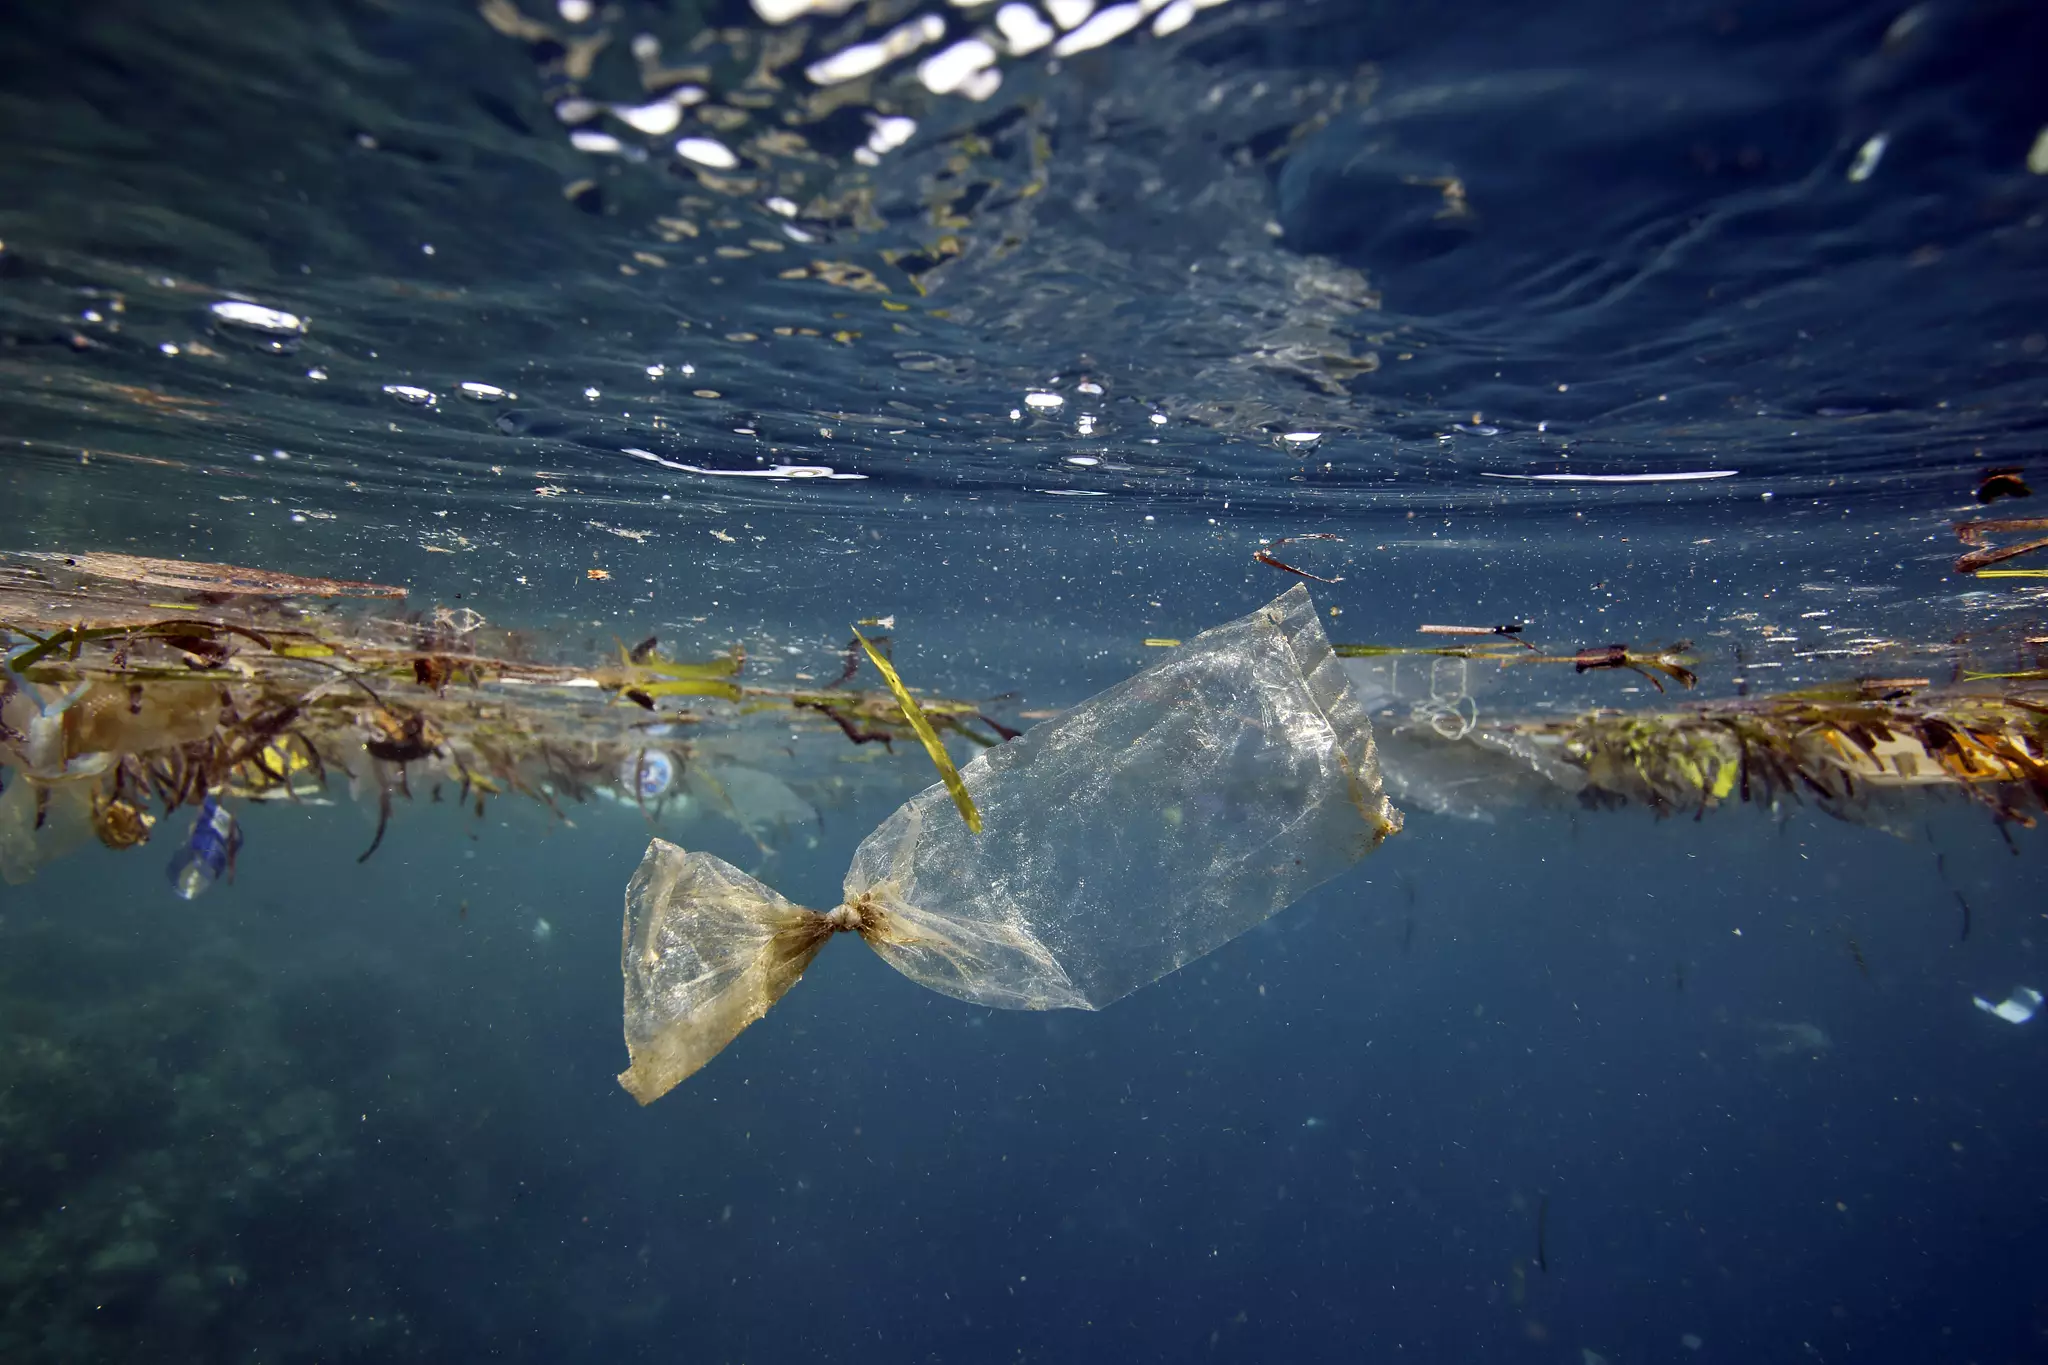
x=1272 y=561
x=205 y=685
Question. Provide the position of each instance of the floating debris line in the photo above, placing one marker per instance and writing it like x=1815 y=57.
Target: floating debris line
x=135 y=687
x=1843 y=749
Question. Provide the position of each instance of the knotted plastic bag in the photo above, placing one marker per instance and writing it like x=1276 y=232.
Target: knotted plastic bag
x=1136 y=832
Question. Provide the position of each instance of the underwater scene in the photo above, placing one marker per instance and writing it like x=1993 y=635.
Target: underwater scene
x=1024 y=680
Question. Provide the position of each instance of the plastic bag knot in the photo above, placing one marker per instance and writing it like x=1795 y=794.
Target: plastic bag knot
x=856 y=916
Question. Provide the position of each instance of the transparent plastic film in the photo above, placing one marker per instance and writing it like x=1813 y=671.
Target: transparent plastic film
x=1129 y=836
x=707 y=949
x=1142 y=829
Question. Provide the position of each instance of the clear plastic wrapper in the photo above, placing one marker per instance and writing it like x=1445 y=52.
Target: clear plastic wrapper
x=1129 y=836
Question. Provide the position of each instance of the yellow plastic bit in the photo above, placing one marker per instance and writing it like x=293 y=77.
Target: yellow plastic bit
x=943 y=761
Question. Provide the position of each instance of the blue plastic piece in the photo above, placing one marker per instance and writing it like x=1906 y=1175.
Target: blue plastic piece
x=207 y=852
x=652 y=771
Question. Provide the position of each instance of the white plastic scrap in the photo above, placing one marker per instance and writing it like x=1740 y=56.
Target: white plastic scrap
x=271 y=321
x=2017 y=1008
x=780 y=471
x=1867 y=157
x=412 y=393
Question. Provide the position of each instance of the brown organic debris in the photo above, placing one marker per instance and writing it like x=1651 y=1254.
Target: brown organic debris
x=1271 y=561
x=193 y=576
x=135 y=689
x=1975 y=532
x=2006 y=481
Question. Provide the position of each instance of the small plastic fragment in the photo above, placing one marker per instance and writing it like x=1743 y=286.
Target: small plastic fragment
x=2017 y=1008
x=913 y=713
x=267 y=329
x=647 y=774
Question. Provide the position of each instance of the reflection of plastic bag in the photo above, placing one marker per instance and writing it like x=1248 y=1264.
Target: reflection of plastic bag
x=1129 y=836
x=1437 y=750
x=40 y=822
x=759 y=803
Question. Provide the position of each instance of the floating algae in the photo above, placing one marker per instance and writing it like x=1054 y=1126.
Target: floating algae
x=1136 y=832
x=1846 y=753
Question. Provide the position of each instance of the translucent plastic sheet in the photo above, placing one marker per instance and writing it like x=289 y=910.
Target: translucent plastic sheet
x=1131 y=835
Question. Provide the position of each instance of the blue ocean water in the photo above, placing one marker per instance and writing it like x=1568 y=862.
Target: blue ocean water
x=1035 y=376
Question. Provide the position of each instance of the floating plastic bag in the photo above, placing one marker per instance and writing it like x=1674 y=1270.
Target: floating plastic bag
x=1131 y=835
